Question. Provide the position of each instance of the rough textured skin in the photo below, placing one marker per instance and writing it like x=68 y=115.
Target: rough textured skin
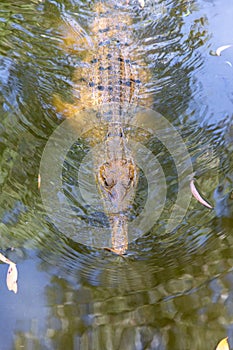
x=111 y=73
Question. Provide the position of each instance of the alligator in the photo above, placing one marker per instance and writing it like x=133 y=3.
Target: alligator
x=111 y=73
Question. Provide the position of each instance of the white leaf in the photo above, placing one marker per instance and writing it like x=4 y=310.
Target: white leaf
x=142 y=3
x=222 y=48
x=198 y=196
x=223 y=345
x=4 y=259
x=39 y=181
x=12 y=275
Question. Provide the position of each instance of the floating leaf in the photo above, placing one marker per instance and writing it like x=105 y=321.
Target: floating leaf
x=223 y=345
x=12 y=275
x=142 y=3
x=222 y=48
x=4 y=259
x=196 y=194
x=219 y=50
x=39 y=181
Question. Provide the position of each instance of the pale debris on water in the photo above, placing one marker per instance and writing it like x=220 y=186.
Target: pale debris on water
x=142 y=3
x=223 y=345
x=39 y=181
x=12 y=274
x=196 y=194
x=219 y=50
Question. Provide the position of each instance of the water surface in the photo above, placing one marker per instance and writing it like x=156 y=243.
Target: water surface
x=174 y=290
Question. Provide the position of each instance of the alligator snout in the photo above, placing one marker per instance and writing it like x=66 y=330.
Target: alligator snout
x=118 y=193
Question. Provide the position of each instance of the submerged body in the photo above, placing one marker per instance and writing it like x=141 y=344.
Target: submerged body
x=111 y=73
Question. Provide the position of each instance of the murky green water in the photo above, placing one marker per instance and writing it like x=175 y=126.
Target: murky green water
x=173 y=290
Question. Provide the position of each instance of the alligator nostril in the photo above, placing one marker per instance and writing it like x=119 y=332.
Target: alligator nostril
x=106 y=184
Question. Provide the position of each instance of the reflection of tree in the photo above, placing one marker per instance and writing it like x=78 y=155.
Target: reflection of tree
x=173 y=45
x=158 y=303
x=29 y=339
x=223 y=194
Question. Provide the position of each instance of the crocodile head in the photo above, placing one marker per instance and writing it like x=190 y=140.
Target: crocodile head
x=117 y=181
